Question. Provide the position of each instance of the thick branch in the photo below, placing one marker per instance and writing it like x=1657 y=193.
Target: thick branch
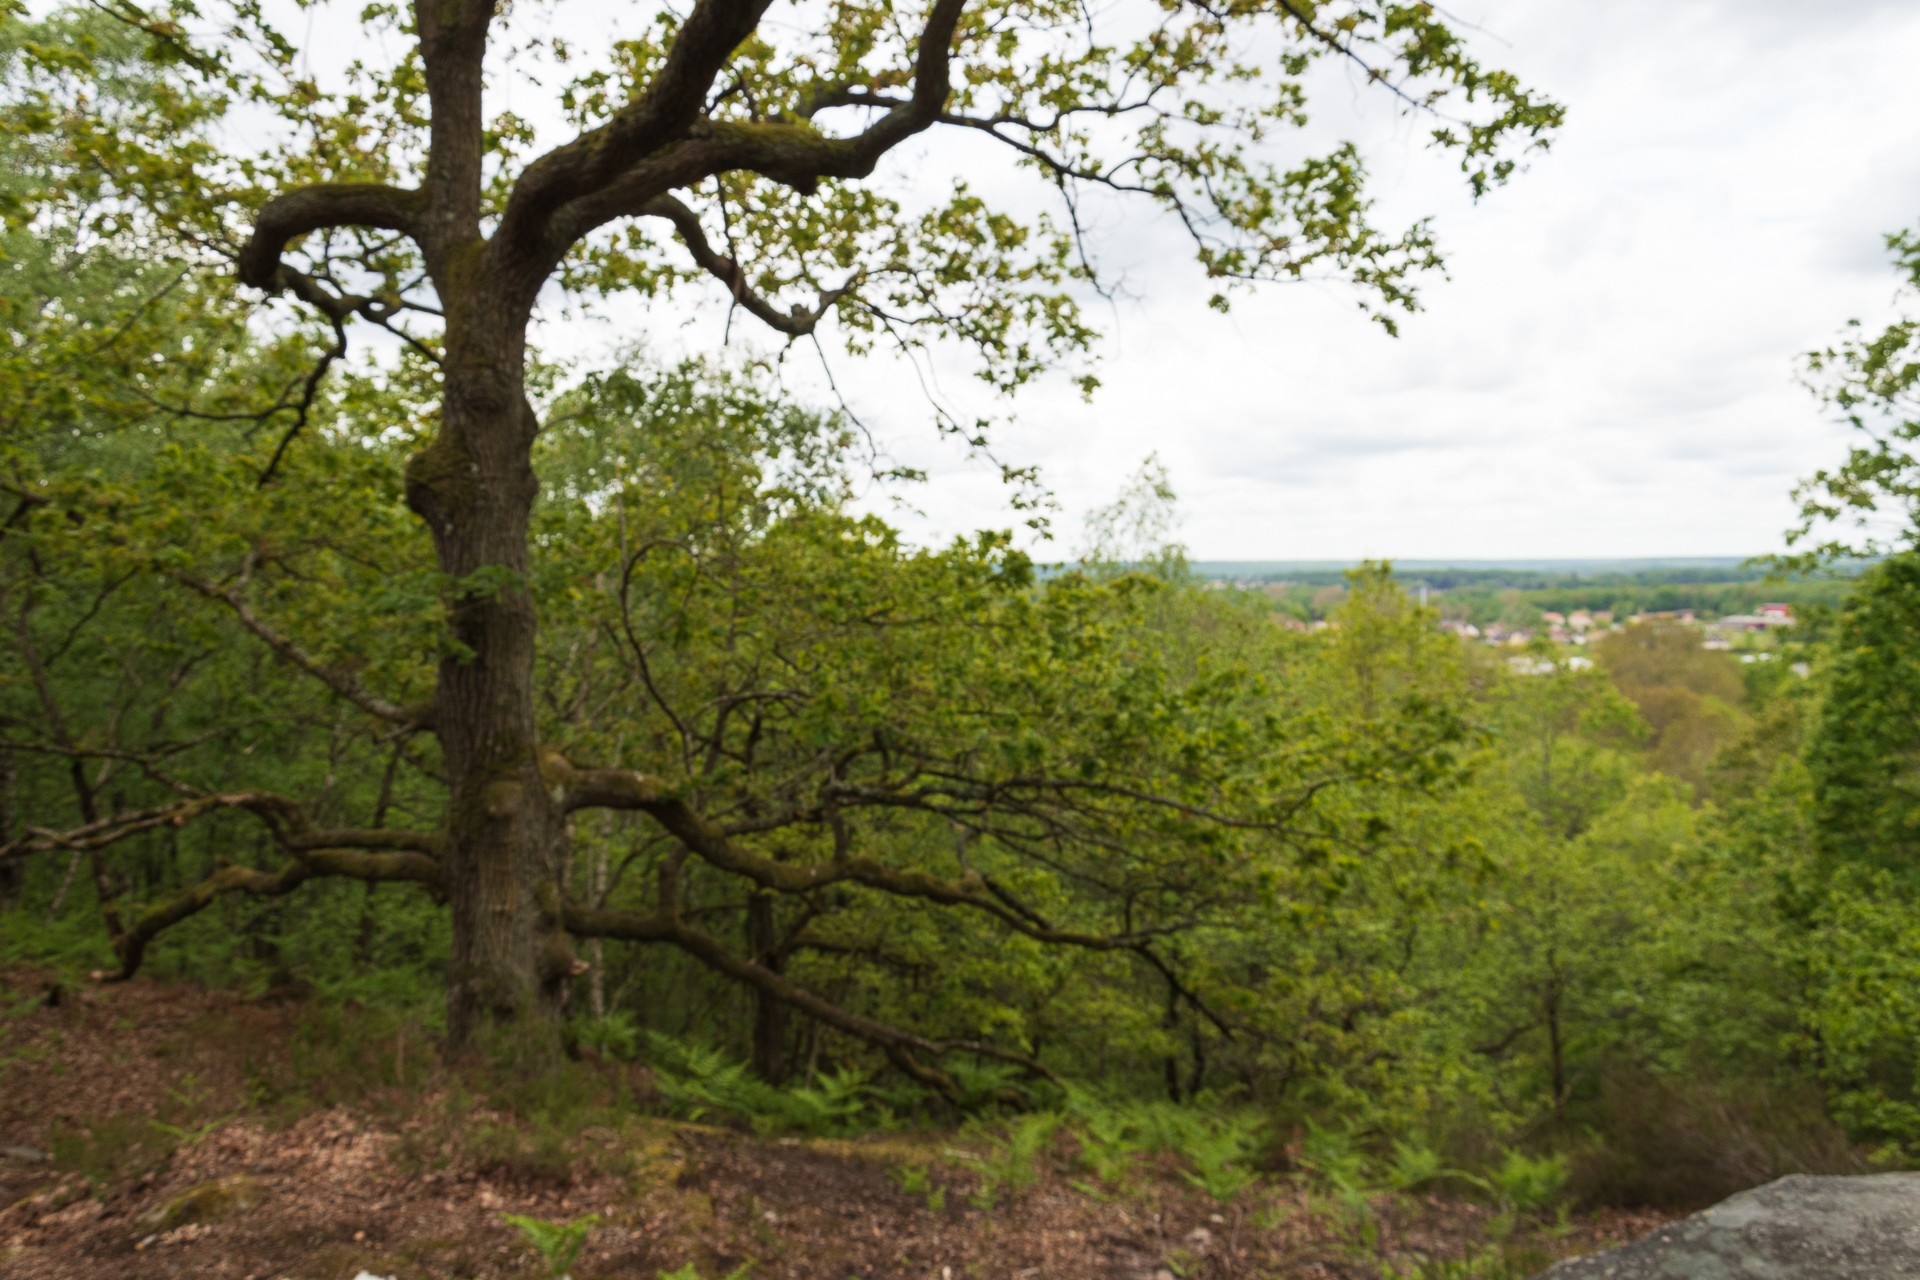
x=626 y=789
x=286 y=218
x=378 y=854
x=131 y=946
x=453 y=52
x=796 y=154
x=629 y=789
x=660 y=115
x=900 y=1045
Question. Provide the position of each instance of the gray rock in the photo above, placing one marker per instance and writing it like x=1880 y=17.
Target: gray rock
x=1799 y=1228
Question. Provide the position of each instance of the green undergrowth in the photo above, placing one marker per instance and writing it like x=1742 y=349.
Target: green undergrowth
x=72 y=945
x=525 y=1114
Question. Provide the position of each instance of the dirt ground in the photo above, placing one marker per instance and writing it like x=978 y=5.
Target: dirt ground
x=150 y=1130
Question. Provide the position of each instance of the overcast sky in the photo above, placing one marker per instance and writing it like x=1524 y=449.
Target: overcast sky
x=1611 y=368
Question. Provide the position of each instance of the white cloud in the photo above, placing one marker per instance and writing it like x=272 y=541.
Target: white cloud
x=1611 y=370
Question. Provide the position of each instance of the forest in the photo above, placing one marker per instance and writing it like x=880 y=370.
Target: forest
x=556 y=769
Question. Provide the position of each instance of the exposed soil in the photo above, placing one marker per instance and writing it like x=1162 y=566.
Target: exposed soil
x=149 y=1130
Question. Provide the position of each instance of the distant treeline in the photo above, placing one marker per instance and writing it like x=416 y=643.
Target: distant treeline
x=1521 y=575
x=1518 y=594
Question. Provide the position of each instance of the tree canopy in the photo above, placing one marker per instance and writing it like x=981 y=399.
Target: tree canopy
x=912 y=701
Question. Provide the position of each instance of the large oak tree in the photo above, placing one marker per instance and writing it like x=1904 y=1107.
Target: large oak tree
x=766 y=153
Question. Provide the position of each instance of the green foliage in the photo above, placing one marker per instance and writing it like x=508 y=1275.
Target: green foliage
x=917 y=1180
x=109 y=1151
x=69 y=943
x=1491 y=1262
x=1010 y=1163
x=558 y=1243
x=1860 y=959
x=615 y=1035
x=1414 y=908
x=687 y=1271
x=1218 y=1145
x=1436 y=924
x=1110 y=1136
x=1864 y=750
x=1870 y=504
x=1529 y=1183
x=701 y=1081
x=1221 y=1156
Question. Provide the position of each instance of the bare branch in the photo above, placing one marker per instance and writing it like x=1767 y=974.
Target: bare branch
x=797 y=323
x=341 y=682
x=282 y=816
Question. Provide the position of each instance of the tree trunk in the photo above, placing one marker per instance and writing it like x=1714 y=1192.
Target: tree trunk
x=505 y=860
x=12 y=871
x=596 y=947
x=769 y=1014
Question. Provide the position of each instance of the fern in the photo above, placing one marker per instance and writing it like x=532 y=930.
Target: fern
x=982 y=1084
x=834 y=1103
x=1526 y=1184
x=1107 y=1142
x=558 y=1243
x=617 y=1035
x=1415 y=1165
x=698 y=1082
x=1220 y=1154
x=1011 y=1160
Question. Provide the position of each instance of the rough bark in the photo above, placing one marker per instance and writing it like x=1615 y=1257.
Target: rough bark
x=769 y=1013
x=506 y=838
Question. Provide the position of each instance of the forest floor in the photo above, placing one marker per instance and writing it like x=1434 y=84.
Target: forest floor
x=151 y=1129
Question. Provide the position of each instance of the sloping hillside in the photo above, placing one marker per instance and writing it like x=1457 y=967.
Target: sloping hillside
x=162 y=1130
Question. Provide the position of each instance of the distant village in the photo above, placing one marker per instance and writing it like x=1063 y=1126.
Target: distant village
x=1738 y=631
x=1581 y=626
